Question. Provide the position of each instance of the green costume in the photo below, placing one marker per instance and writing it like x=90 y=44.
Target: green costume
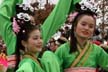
x=53 y=22
x=48 y=61
x=96 y=57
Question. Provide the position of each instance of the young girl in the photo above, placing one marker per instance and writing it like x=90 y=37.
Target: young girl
x=80 y=54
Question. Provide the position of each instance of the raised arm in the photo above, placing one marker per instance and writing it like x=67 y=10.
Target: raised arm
x=57 y=18
x=7 y=10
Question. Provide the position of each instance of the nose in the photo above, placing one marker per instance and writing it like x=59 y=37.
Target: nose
x=86 y=27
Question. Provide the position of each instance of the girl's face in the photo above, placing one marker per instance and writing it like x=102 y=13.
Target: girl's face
x=34 y=42
x=85 y=27
x=53 y=46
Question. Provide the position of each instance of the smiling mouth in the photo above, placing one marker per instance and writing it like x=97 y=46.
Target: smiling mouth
x=40 y=46
x=85 y=33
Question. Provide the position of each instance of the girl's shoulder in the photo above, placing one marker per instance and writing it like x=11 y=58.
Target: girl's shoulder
x=64 y=47
x=50 y=62
x=48 y=54
x=26 y=61
x=49 y=57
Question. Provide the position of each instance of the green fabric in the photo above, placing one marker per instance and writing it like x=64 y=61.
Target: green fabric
x=48 y=61
x=29 y=65
x=97 y=57
x=7 y=10
x=57 y=18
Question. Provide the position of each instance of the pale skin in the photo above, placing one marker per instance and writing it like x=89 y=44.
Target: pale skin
x=84 y=29
x=34 y=42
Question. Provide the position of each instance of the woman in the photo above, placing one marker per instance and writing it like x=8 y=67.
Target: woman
x=29 y=41
x=80 y=55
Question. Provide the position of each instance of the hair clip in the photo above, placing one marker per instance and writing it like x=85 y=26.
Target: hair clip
x=26 y=17
x=20 y=15
x=26 y=7
x=15 y=26
x=23 y=16
x=88 y=6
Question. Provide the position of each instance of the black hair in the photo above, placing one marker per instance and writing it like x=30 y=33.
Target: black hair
x=96 y=32
x=24 y=8
x=73 y=40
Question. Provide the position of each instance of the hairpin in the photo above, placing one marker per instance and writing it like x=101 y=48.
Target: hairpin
x=15 y=26
x=23 y=16
x=88 y=6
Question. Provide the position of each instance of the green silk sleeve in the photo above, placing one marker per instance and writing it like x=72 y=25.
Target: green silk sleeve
x=25 y=67
x=57 y=18
x=60 y=53
x=7 y=10
x=50 y=62
x=102 y=59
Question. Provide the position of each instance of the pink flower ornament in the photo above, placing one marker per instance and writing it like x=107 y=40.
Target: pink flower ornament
x=72 y=16
x=15 y=26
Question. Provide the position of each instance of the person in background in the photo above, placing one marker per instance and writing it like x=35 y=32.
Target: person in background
x=80 y=54
x=104 y=44
x=52 y=46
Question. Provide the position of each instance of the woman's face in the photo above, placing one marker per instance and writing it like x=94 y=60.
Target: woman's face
x=85 y=27
x=53 y=46
x=34 y=42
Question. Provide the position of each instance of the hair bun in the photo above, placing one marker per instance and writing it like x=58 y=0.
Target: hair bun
x=25 y=8
x=85 y=6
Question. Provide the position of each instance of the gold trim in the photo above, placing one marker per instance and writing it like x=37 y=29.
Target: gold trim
x=79 y=49
x=80 y=55
x=86 y=56
x=33 y=58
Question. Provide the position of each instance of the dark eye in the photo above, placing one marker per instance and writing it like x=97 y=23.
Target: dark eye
x=83 y=24
x=91 y=26
x=35 y=38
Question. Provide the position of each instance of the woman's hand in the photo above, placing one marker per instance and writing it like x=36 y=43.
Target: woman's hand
x=11 y=61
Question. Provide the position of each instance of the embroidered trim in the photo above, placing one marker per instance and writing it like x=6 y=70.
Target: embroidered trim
x=33 y=58
x=80 y=55
x=86 y=56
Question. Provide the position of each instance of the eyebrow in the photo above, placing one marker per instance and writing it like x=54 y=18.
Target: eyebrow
x=86 y=22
